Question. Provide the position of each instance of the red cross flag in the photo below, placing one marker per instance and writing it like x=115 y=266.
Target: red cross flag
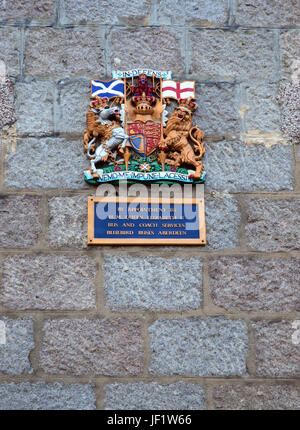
x=177 y=90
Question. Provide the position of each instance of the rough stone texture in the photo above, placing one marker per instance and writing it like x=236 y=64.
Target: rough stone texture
x=14 y=355
x=74 y=103
x=7 y=115
x=247 y=284
x=290 y=46
x=263 y=13
x=217 y=108
x=222 y=222
x=29 y=9
x=68 y=221
x=289 y=101
x=153 y=396
x=226 y=55
x=263 y=113
x=236 y=167
x=41 y=396
x=10 y=50
x=212 y=346
x=63 y=53
x=0 y=165
x=152 y=282
x=201 y=12
x=256 y=397
x=101 y=347
x=19 y=221
x=46 y=163
x=273 y=225
x=157 y=48
x=244 y=57
x=121 y=12
x=48 y=282
x=84 y=11
x=276 y=355
x=34 y=107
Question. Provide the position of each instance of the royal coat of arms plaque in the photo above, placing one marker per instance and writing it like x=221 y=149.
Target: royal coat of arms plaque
x=140 y=129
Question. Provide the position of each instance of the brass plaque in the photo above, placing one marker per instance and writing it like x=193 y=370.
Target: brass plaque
x=150 y=221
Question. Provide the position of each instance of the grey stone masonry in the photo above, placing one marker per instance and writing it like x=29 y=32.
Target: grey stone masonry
x=150 y=327
x=64 y=53
x=74 y=103
x=10 y=46
x=86 y=346
x=121 y=12
x=37 y=10
x=48 y=282
x=158 y=48
x=238 y=167
x=273 y=225
x=19 y=221
x=290 y=46
x=41 y=396
x=263 y=13
x=14 y=352
x=222 y=221
x=262 y=107
x=289 y=101
x=232 y=54
x=218 y=108
x=199 y=12
x=148 y=396
x=67 y=221
x=45 y=163
x=248 y=284
x=152 y=282
x=34 y=107
x=7 y=114
x=194 y=346
x=256 y=396
x=276 y=353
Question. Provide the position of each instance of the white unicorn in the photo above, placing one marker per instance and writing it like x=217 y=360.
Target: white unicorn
x=113 y=136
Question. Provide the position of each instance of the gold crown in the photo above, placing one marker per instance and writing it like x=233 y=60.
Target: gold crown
x=143 y=104
x=188 y=104
x=99 y=103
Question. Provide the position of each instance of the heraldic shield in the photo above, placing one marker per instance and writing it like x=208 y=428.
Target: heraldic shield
x=144 y=137
x=131 y=133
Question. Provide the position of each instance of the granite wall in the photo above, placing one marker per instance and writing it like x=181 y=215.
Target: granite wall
x=150 y=327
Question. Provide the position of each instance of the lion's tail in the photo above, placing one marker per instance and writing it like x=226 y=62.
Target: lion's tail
x=197 y=135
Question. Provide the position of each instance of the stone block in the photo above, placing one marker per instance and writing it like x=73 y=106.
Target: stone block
x=46 y=163
x=154 y=396
x=249 y=284
x=68 y=221
x=14 y=353
x=238 y=167
x=256 y=396
x=112 y=347
x=273 y=225
x=157 y=48
x=52 y=282
x=34 y=107
x=242 y=54
x=19 y=222
x=152 y=283
x=276 y=354
x=64 y=53
x=194 y=346
x=46 y=396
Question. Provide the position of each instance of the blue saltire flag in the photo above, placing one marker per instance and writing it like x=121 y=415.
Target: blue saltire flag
x=114 y=88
